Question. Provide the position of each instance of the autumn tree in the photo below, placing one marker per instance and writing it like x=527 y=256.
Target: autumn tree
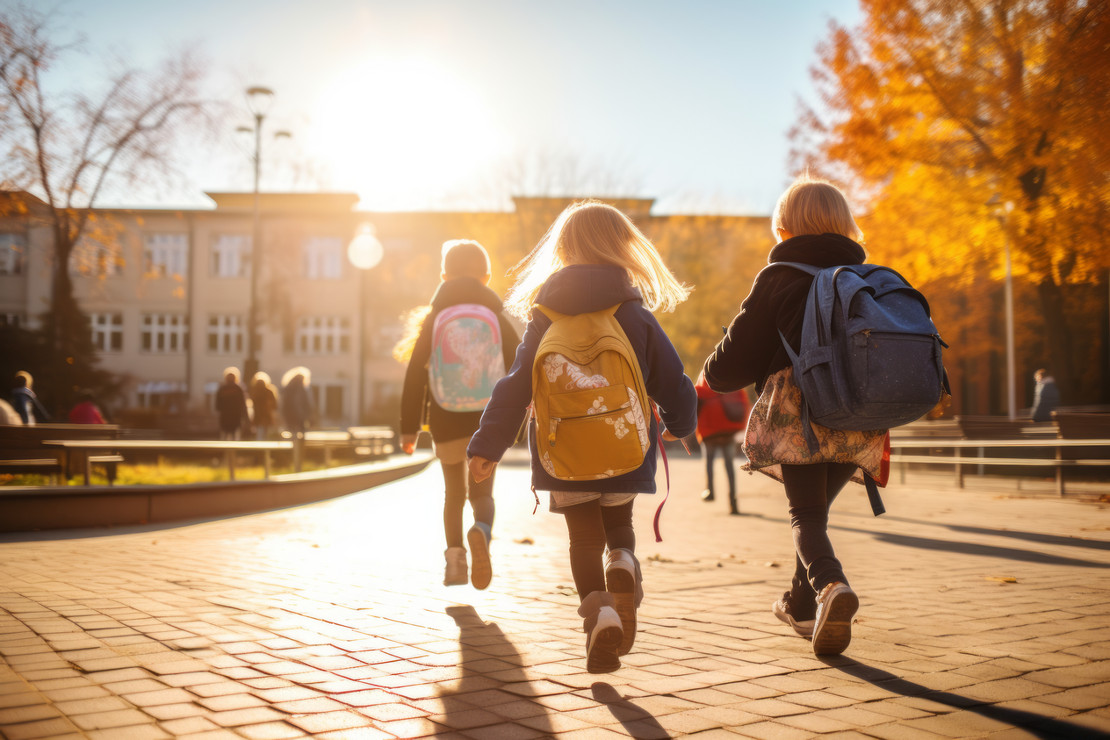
x=68 y=146
x=939 y=113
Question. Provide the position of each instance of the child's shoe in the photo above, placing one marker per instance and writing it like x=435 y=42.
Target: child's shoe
x=602 y=626
x=836 y=606
x=481 y=570
x=787 y=611
x=625 y=582
x=454 y=574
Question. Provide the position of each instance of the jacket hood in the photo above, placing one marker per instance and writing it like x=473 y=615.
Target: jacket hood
x=465 y=290
x=579 y=289
x=820 y=250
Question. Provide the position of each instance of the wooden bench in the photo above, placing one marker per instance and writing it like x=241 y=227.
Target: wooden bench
x=377 y=443
x=22 y=450
x=76 y=448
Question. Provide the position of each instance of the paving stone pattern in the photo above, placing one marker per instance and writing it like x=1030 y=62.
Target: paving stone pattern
x=982 y=615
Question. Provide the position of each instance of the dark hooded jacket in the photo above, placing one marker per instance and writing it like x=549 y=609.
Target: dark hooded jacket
x=448 y=425
x=752 y=350
x=575 y=290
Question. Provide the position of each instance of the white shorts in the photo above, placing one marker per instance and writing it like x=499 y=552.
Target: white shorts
x=573 y=498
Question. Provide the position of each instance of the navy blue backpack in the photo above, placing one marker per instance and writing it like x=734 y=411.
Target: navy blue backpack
x=870 y=356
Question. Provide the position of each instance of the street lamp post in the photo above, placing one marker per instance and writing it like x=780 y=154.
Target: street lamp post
x=258 y=101
x=1011 y=371
x=364 y=252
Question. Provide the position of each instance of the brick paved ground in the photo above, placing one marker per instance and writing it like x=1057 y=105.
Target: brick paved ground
x=983 y=615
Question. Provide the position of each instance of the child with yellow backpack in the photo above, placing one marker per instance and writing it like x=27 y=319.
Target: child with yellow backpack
x=592 y=364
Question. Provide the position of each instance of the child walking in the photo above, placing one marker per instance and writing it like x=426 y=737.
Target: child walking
x=814 y=225
x=593 y=258
x=463 y=318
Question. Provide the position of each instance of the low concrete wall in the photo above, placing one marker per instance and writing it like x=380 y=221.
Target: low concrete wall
x=69 y=507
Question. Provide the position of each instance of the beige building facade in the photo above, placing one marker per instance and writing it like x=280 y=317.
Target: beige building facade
x=167 y=291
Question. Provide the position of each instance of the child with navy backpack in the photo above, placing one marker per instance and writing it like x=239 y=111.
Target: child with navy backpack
x=814 y=225
x=457 y=348
x=591 y=269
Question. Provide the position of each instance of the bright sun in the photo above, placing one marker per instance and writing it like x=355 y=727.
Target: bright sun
x=401 y=132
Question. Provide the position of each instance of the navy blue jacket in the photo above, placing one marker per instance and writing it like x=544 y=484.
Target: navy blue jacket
x=581 y=289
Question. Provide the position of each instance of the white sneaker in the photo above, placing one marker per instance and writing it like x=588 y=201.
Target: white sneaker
x=602 y=626
x=481 y=570
x=454 y=574
x=624 y=582
x=832 y=630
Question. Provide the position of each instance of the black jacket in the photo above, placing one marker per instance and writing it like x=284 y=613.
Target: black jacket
x=581 y=289
x=752 y=350
x=448 y=425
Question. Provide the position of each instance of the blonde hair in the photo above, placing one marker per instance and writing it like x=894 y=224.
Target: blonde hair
x=590 y=232
x=460 y=258
x=465 y=257
x=812 y=206
x=293 y=372
x=231 y=371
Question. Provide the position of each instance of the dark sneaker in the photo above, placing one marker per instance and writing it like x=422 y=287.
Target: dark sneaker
x=624 y=581
x=602 y=626
x=784 y=608
x=836 y=606
x=707 y=495
x=481 y=570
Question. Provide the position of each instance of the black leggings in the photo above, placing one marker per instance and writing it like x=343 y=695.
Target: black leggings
x=810 y=491
x=592 y=527
x=459 y=487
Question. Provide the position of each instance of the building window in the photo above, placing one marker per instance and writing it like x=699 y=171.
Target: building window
x=225 y=334
x=12 y=249
x=164 y=332
x=14 y=320
x=168 y=395
x=231 y=256
x=323 y=335
x=107 y=331
x=165 y=255
x=90 y=258
x=323 y=258
x=329 y=398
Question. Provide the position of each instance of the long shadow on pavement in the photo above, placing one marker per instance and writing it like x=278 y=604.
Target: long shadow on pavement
x=1039 y=537
x=481 y=642
x=639 y=723
x=1035 y=724
x=965 y=548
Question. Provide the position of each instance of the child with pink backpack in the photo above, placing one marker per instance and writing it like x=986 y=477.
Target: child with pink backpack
x=457 y=348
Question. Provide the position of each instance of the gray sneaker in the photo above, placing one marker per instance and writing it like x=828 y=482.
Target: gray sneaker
x=625 y=582
x=836 y=606
x=602 y=626
x=481 y=570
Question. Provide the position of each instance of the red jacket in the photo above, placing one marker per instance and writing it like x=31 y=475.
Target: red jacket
x=714 y=410
x=86 y=412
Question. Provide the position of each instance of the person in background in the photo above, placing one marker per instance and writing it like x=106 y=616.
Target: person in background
x=264 y=402
x=1046 y=396
x=231 y=405
x=86 y=411
x=297 y=408
x=720 y=417
x=24 y=400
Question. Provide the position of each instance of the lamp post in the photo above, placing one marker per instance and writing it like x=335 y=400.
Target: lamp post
x=1001 y=213
x=364 y=252
x=258 y=102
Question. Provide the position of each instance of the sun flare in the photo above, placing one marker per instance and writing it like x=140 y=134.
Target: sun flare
x=402 y=132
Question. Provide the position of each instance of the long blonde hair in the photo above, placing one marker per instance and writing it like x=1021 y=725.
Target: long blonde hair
x=590 y=232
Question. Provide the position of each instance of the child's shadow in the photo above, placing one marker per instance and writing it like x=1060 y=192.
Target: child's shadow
x=489 y=661
x=638 y=722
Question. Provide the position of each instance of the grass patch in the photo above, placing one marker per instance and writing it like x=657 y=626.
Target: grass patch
x=162 y=475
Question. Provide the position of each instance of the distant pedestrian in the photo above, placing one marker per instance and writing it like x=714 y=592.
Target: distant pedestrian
x=231 y=406
x=86 y=411
x=459 y=347
x=1046 y=396
x=594 y=269
x=8 y=415
x=24 y=400
x=720 y=418
x=264 y=405
x=297 y=409
x=814 y=225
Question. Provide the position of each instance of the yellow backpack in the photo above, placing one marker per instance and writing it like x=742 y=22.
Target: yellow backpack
x=593 y=414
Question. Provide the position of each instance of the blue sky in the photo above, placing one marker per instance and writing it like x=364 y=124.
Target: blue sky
x=421 y=103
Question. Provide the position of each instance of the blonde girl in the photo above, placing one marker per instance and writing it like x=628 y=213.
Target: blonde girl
x=593 y=258
x=814 y=225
